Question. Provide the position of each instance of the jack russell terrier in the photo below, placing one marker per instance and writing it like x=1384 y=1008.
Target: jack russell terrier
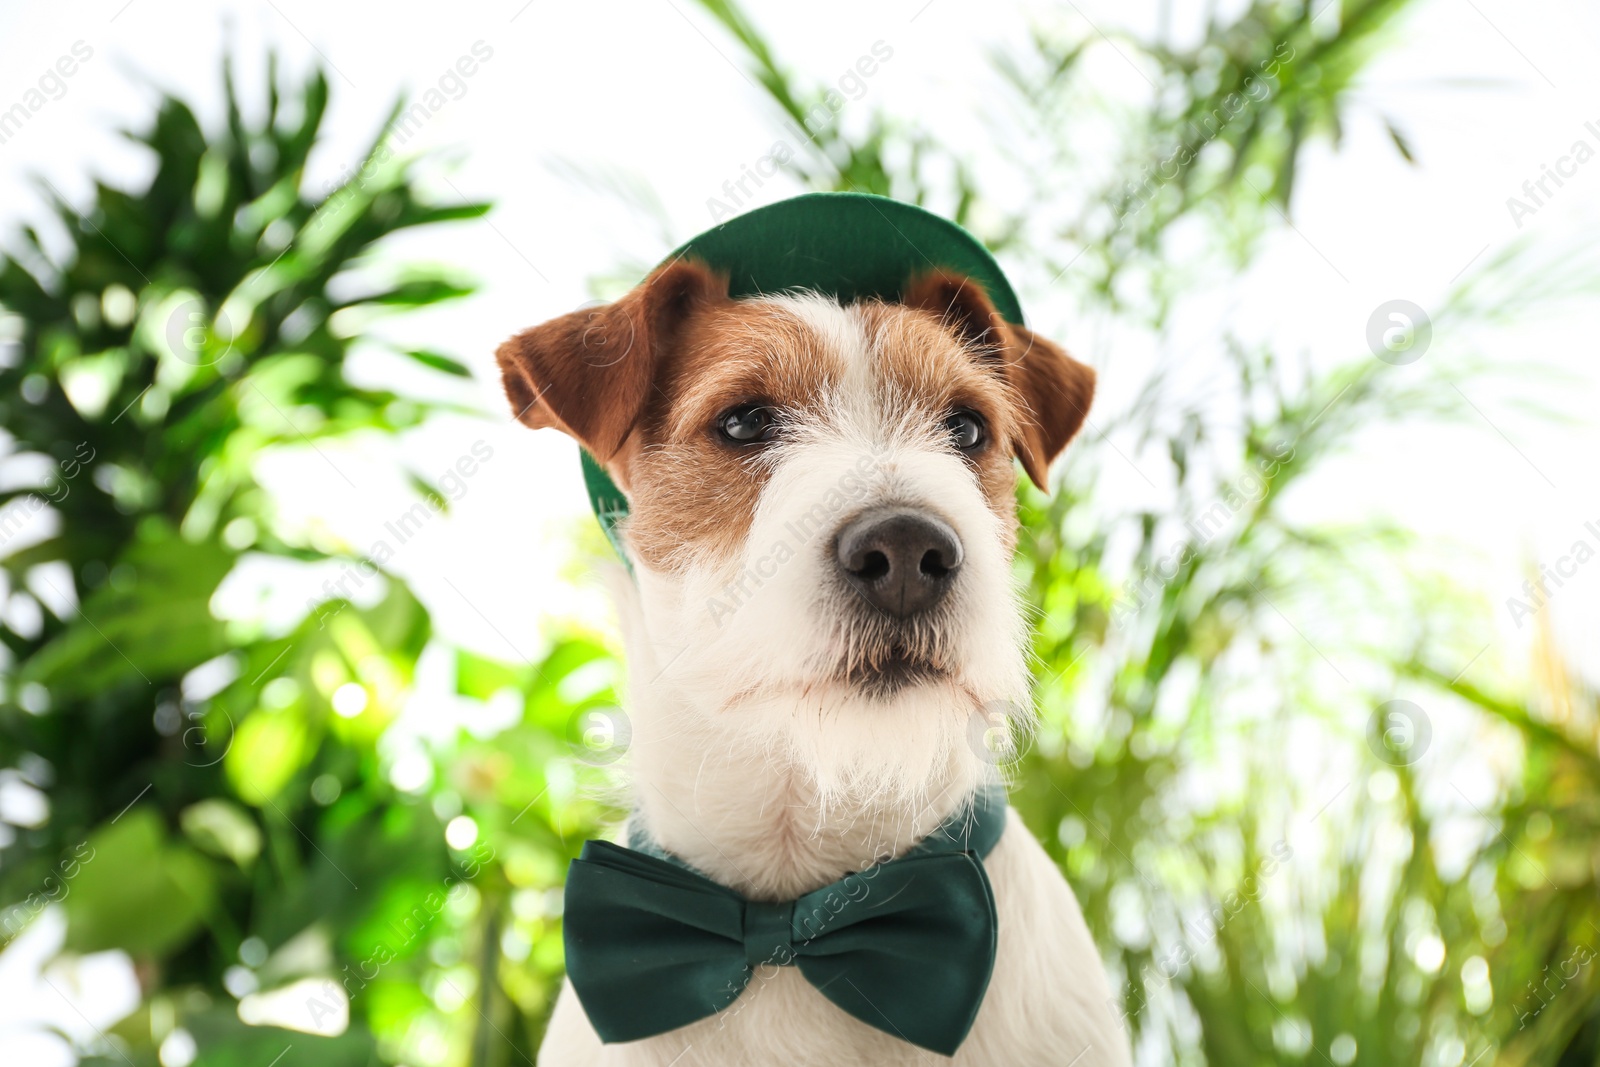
x=800 y=431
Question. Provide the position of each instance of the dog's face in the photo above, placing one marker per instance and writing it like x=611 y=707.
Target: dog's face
x=821 y=506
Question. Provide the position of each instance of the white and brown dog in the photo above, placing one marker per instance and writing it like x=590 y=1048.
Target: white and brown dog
x=821 y=529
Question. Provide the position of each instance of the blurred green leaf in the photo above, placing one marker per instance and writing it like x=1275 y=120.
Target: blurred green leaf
x=440 y=363
x=223 y=829
x=155 y=619
x=268 y=748
x=138 y=889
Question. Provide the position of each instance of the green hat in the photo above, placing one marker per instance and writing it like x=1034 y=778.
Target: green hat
x=852 y=245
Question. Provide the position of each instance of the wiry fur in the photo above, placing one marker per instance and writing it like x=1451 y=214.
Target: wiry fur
x=758 y=753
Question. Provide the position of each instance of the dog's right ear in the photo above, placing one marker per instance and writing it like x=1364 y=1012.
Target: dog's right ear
x=589 y=373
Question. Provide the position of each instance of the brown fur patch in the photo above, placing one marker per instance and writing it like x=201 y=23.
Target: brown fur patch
x=693 y=491
x=590 y=372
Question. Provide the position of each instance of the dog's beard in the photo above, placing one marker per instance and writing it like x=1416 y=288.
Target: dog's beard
x=879 y=657
x=868 y=709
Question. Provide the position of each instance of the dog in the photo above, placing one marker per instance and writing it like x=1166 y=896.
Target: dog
x=821 y=523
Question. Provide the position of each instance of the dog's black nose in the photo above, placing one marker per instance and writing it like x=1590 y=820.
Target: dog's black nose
x=901 y=560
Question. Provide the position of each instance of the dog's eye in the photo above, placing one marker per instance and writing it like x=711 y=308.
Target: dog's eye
x=966 y=430
x=747 y=424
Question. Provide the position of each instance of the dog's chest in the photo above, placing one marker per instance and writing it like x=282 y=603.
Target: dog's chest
x=768 y=842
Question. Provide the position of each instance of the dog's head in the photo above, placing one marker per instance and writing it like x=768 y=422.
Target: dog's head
x=821 y=503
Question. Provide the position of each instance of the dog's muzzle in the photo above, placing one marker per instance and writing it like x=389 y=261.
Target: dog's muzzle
x=901 y=560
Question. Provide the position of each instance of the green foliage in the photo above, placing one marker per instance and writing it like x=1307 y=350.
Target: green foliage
x=828 y=158
x=138 y=891
x=1245 y=100
x=212 y=810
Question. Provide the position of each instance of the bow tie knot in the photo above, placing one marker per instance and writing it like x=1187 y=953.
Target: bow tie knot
x=768 y=933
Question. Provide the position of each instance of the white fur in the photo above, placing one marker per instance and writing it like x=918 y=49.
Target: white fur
x=754 y=768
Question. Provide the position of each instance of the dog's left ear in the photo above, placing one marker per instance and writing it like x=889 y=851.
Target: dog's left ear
x=590 y=372
x=1054 y=389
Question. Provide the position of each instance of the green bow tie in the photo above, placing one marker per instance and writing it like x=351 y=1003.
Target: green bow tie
x=906 y=946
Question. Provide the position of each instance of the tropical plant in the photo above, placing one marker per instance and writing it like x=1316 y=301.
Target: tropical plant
x=210 y=797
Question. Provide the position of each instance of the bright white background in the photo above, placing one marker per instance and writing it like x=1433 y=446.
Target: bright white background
x=1487 y=91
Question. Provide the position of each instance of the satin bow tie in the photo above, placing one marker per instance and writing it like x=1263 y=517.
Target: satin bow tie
x=906 y=946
